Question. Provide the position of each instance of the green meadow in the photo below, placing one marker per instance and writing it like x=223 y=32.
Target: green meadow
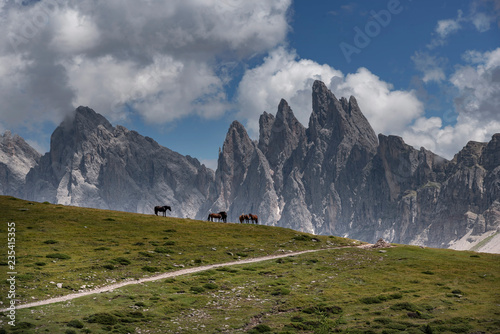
x=61 y=250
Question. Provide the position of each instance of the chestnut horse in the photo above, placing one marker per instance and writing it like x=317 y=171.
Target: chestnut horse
x=213 y=216
x=162 y=209
x=244 y=219
x=253 y=218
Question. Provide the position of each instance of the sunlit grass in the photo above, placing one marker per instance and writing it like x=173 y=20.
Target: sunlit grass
x=403 y=289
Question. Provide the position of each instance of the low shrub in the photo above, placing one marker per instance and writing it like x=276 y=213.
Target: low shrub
x=197 y=289
x=260 y=329
x=281 y=292
x=150 y=269
x=210 y=286
x=121 y=260
x=302 y=237
x=163 y=250
x=102 y=319
x=58 y=256
x=75 y=323
x=50 y=242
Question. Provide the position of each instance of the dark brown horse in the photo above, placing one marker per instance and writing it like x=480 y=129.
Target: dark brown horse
x=213 y=216
x=253 y=218
x=223 y=215
x=244 y=219
x=162 y=209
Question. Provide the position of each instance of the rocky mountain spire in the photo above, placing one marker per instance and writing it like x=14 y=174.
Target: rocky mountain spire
x=16 y=159
x=92 y=163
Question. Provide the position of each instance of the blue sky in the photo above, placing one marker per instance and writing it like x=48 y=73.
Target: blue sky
x=182 y=71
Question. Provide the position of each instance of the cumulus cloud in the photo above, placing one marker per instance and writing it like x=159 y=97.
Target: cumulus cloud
x=281 y=75
x=445 y=28
x=478 y=86
x=430 y=66
x=481 y=15
x=284 y=75
x=161 y=59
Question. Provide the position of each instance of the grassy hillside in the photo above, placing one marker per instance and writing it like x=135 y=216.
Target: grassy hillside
x=334 y=290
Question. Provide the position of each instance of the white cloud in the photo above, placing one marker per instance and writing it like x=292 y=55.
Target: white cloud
x=445 y=28
x=388 y=111
x=481 y=15
x=161 y=57
x=430 y=66
x=283 y=75
x=476 y=104
x=482 y=21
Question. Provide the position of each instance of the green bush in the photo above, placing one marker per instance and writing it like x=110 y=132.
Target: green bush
x=280 y=292
x=197 y=289
x=302 y=237
x=75 y=324
x=163 y=250
x=210 y=286
x=102 y=319
x=150 y=269
x=260 y=329
x=50 y=242
x=58 y=256
x=121 y=260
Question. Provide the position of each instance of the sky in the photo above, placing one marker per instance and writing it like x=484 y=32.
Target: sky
x=180 y=71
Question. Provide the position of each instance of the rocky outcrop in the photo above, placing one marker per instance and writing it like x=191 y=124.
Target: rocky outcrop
x=16 y=159
x=91 y=163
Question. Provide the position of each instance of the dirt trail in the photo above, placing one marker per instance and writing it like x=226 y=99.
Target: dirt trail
x=159 y=277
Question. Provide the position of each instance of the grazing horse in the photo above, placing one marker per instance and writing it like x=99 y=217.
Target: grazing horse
x=162 y=209
x=253 y=218
x=244 y=218
x=223 y=215
x=213 y=216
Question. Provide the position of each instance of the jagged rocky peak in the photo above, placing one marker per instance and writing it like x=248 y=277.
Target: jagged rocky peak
x=336 y=120
x=237 y=141
x=327 y=112
x=491 y=158
x=16 y=159
x=471 y=154
x=266 y=122
x=85 y=118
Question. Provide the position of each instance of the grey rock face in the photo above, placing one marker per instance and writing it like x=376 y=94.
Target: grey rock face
x=16 y=159
x=336 y=177
x=91 y=163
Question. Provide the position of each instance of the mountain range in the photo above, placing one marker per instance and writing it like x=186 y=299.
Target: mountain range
x=335 y=177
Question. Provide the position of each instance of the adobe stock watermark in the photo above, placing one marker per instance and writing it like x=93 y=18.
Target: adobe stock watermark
x=373 y=28
x=33 y=23
x=10 y=311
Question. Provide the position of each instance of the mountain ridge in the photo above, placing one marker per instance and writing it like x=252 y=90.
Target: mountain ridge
x=335 y=177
